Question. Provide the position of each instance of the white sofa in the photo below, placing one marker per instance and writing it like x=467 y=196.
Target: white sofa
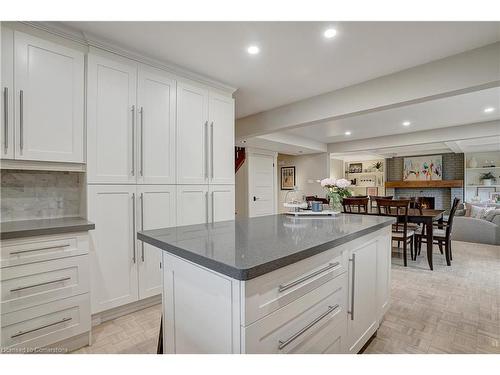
x=470 y=229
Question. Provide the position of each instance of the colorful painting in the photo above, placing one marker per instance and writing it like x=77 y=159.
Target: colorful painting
x=423 y=168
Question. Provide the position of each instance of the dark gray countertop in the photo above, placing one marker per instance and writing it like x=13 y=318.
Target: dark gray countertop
x=39 y=227
x=249 y=247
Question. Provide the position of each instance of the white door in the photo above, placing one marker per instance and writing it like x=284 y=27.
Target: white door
x=156 y=106
x=7 y=131
x=221 y=118
x=222 y=202
x=192 y=134
x=156 y=210
x=362 y=304
x=192 y=204
x=113 y=252
x=49 y=98
x=111 y=117
x=261 y=185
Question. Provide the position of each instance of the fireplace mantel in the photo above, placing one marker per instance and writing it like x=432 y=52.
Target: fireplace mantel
x=425 y=184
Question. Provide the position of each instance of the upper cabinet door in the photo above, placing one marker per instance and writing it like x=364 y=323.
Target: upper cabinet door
x=111 y=121
x=49 y=98
x=7 y=130
x=192 y=134
x=221 y=118
x=156 y=127
x=157 y=210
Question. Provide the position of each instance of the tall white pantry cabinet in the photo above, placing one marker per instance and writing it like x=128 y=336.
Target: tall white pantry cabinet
x=160 y=153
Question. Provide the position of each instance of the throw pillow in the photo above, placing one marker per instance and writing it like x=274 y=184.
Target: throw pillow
x=477 y=212
x=468 y=209
x=490 y=215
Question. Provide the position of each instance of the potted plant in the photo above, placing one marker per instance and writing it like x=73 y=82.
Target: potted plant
x=336 y=191
x=487 y=178
x=378 y=165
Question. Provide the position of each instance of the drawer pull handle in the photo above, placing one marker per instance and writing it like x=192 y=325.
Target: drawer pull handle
x=284 y=287
x=40 y=284
x=38 y=249
x=283 y=344
x=20 y=333
x=353 y=260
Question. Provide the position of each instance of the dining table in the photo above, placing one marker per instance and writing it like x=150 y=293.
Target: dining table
x=427 y=217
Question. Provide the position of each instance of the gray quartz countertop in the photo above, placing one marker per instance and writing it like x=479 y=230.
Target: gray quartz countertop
x=28 y=228
x=249 y=247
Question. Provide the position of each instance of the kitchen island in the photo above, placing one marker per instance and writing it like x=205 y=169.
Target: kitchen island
x=274 y=284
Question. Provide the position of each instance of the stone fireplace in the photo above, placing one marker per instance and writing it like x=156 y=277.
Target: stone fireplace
x=453 y=169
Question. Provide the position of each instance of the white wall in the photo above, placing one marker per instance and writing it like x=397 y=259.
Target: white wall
x=308 y=169
x=337 y=168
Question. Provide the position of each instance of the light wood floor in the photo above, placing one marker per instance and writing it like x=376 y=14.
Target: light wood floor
x=449 y=310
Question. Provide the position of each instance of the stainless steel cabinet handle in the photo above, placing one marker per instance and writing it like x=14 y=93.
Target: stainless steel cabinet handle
x=142 y=141
x=353 y=277
x=206 y=202
x=20 y=333
x=40 y=284
x=284 y=287
x=212 y=150
x=213 y=209
x=39 y=248
x=133 y=140
x=134 y=229
x=206 y=149
x=285 y=343
x=6 y=117
x=142 y=225
x=21 y=119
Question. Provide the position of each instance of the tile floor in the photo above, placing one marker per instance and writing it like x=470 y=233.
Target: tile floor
x=449 y=310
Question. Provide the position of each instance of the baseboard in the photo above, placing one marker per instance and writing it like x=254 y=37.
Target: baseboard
x=68 y=345
x=104 y=316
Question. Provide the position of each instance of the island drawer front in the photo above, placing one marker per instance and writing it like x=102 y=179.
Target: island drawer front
x=276 y=289
x=46 y=324
x=314 y=323
x=41 y=248
x=37 y=283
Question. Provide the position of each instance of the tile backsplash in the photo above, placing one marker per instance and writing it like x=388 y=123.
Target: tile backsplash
x=27 y=195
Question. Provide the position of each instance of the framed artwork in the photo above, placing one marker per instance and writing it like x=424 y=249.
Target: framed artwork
x=371 y=191
x=423 y=168
x=485 y=193
x=287 y=178
x=355 y=167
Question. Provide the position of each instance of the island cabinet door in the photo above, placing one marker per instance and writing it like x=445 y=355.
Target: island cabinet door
x=222 y=204
x=362 y=320
x=156 y=210
x=113 y=255
x=192 y=204
x=383 y=273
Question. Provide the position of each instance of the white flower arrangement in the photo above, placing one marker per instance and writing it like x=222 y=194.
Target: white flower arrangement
x=336 y=190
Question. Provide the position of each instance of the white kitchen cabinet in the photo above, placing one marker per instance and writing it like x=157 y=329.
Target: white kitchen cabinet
x=362 y=321
x=49 y=100
x=383 y=275
x=221 y=118
x=7 y=131
x=156 y=210
x=192 y=204
x=222 y=204
x=156 y=126
x=111 y=120
x=113 y=249
x=192 y=134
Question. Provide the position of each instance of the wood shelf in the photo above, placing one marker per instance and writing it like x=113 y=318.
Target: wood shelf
x=425 y=184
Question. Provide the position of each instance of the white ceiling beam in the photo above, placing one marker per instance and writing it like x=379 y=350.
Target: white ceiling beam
x=448 y=134
x=465 y=72
x=454 y=146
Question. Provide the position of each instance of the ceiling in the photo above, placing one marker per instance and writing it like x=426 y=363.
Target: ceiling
x=296 y=61
x=440 y=113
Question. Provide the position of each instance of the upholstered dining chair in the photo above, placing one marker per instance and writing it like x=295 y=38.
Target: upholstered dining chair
x=400 y=231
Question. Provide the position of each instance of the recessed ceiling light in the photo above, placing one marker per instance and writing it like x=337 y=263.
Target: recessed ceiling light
x=330 y=33
x=489 y=110
x=253 y=50
x=347 y=133
x=406 y=123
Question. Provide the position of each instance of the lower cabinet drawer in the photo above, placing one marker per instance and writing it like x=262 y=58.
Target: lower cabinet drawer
x=46 y=324
x=314 y=323
x=14 y=252
x=37 y=283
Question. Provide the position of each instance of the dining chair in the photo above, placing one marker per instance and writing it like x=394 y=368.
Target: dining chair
x=373 y=199
x=400 y=231
x=355 y=205
x=441 y=234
